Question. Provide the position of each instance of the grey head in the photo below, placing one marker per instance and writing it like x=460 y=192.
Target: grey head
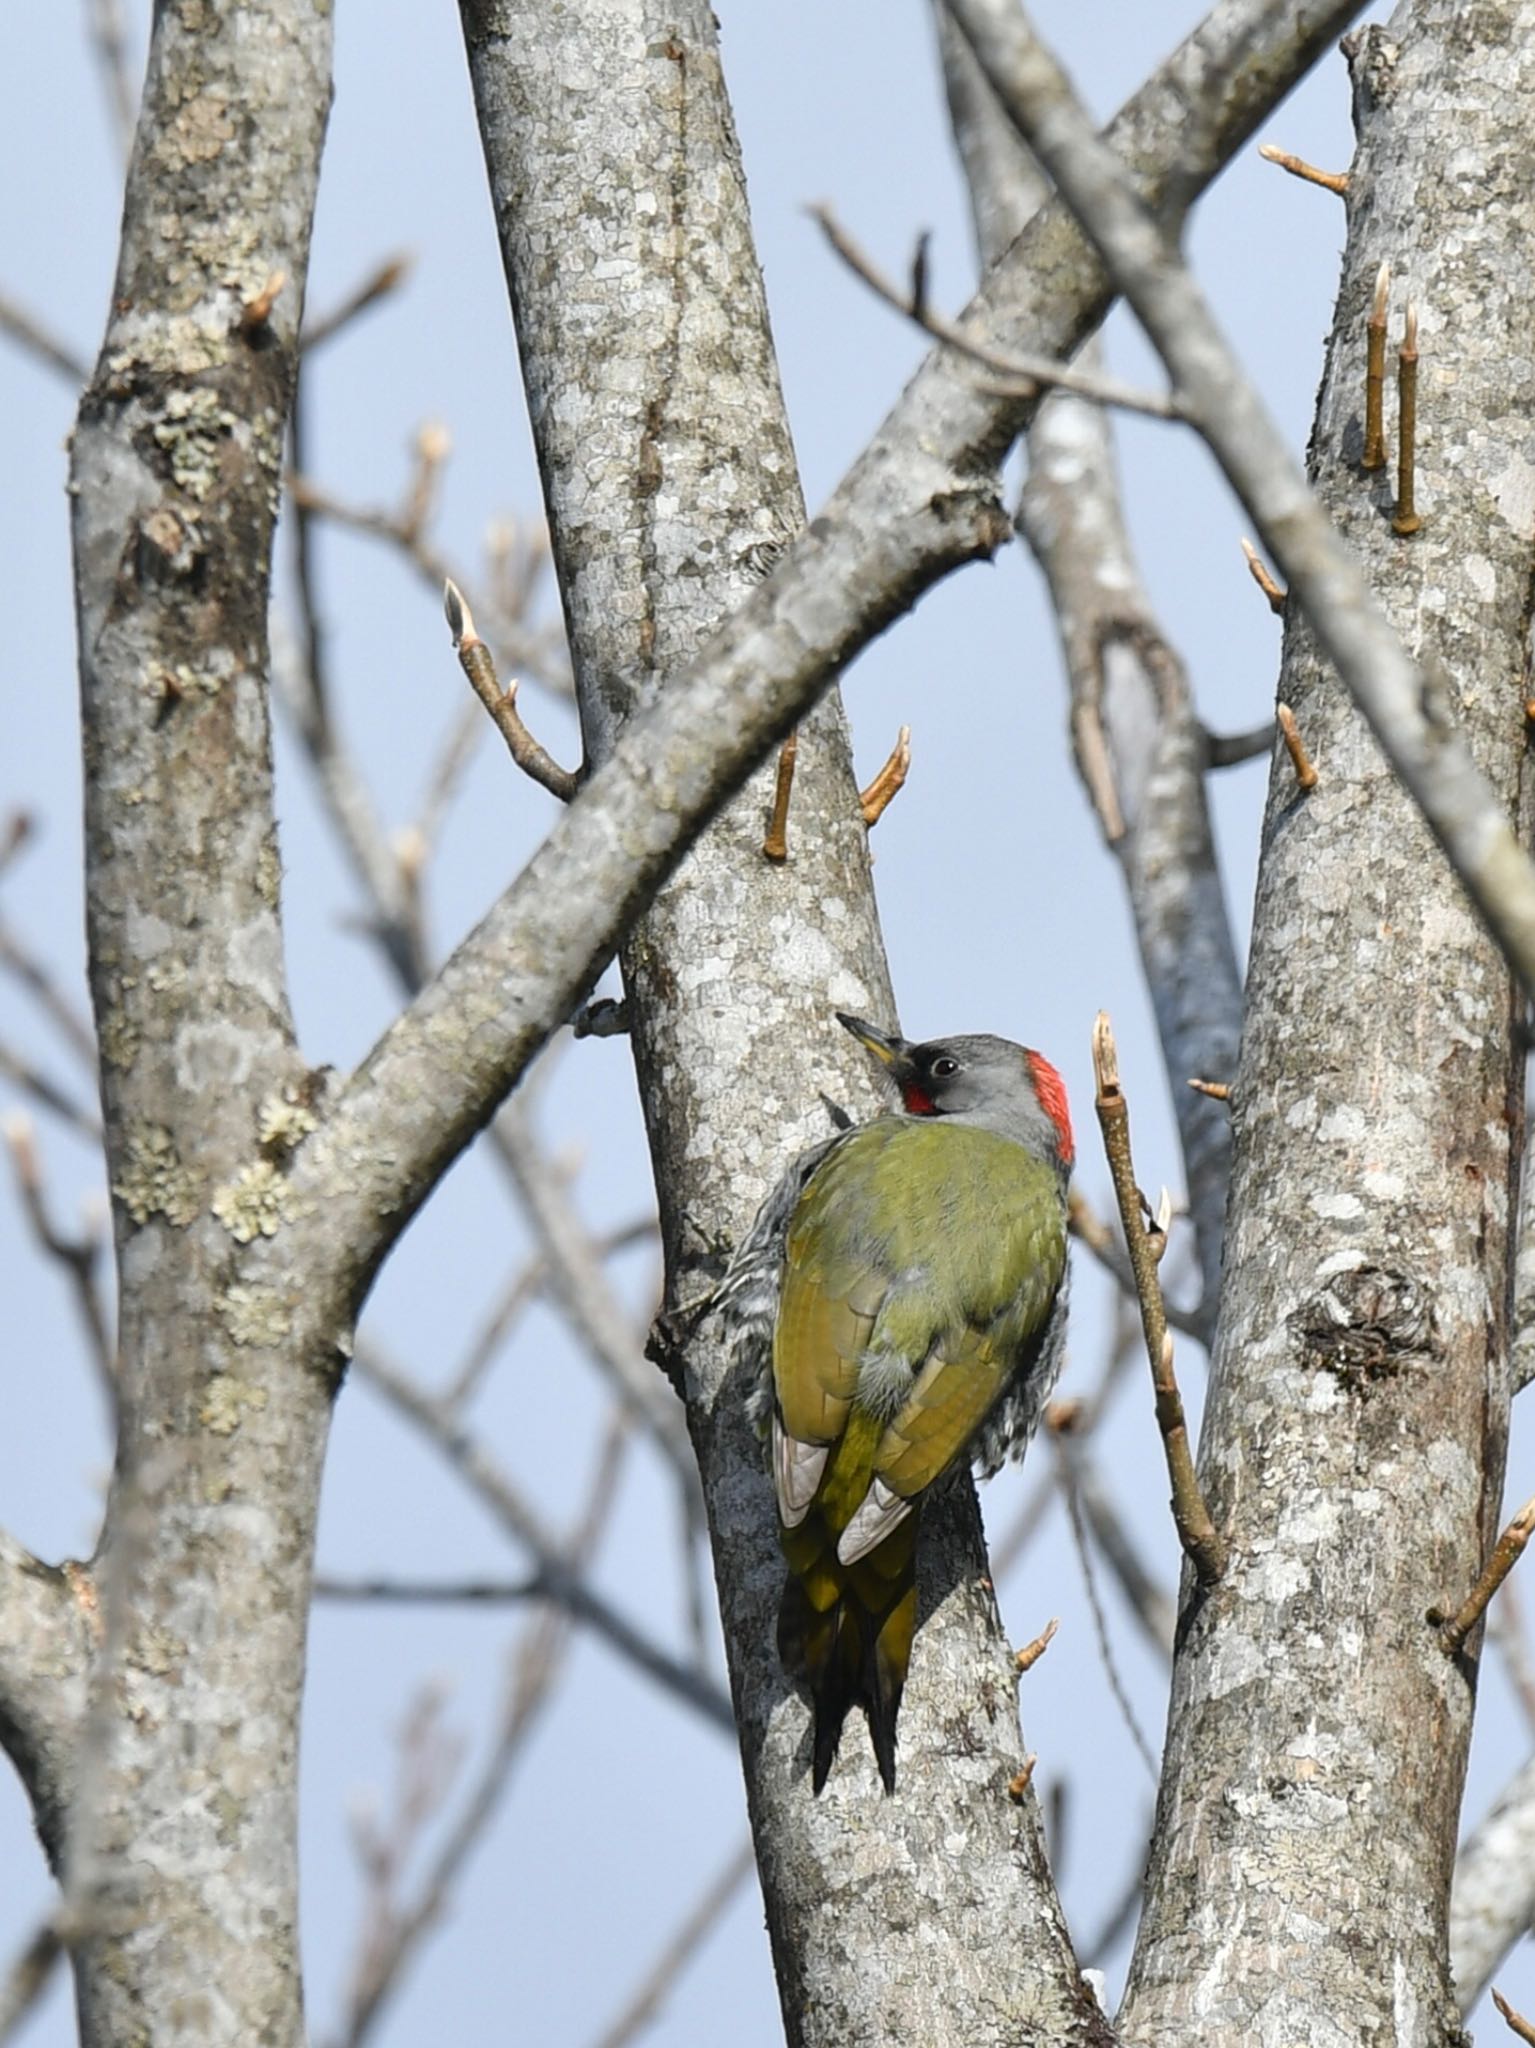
x=975 y=1078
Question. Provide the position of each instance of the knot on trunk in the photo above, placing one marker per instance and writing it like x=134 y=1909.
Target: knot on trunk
x=1364 y=1326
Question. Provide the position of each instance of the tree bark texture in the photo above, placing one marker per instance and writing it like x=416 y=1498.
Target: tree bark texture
x=1140 y=748
x=670 y=482
x=922 y=499
x=1354 y=1435
x=179 y=1853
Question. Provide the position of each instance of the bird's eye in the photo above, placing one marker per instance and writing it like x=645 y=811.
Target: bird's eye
x=944 y=1068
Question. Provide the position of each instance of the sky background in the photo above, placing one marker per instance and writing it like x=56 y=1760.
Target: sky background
x=1001 y=909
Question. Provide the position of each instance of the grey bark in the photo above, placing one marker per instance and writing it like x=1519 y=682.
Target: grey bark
x=45 y=1661
x=246 y=1237
x=922 y=499
x=1522 y=1348
x=179 y=1847
x=1406 y=703
x=668 y=475
x=1140 y=748
x=1354 y=1434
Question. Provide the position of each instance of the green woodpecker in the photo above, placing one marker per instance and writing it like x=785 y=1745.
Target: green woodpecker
x=900 y=1305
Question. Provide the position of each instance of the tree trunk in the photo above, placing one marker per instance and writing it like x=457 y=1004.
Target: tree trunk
x=670 y=482
x=1354 y=1435
x=179 y=1858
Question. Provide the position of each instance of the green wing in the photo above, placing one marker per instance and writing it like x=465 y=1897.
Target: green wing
x=920 y=1262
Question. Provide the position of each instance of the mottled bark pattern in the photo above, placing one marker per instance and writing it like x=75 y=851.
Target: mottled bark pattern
x=671 y=486
x=1140 y=747
x=1354 y=1436
x=180 y=1845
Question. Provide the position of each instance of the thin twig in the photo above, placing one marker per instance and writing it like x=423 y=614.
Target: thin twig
x=110 y=41
x=1018 y=1785
x=30 y=971
x=1297 y=166
x=1196 y=1531
x=257 y=309
x=40 y=341
x=437 y=1592
x=1374 y=456
x=378 y=284
x=22 y=1074
x=1100 y=1623
x=1517 y=2022
x=1406 y=519
x=428 y=1758
x=431 y=448
x=443 y=784
x=1153 y=1609
x=1259 y=571
x=1295 y=747
x=644 y=2003
x=1014 y=1541
x=29 y=1976
x=1021 y=375
x=1454 y=1628
x=1231 y=749
x=523 y=1289
x=478 y=664
x=775 y=841
x=1218 y=1091
x=1119 y=1918
x=540 y=656
x=536 y=1667
x=16 y=833
x=874 y=801
x=1089 y=1228
x=448 y=1435
x=1026 y=1658
x=79 y=1257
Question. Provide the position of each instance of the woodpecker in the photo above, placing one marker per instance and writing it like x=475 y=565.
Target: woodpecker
x=899 y=1305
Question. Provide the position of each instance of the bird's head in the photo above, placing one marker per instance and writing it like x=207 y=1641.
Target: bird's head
x=975 y=1079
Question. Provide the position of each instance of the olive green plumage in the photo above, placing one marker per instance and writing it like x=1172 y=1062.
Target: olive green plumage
x=911 y=1274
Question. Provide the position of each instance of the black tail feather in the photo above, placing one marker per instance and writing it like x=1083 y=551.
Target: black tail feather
x=838 y=1656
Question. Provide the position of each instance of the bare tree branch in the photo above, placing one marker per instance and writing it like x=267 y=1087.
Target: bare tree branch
x=79 y=1257
x=27 y=968
x=1492 y=1902
x=1361 y=1316
x=25 y=329
x=1140 y=748
x=449 y=1435
x=110 y=40
x=48 y=1094
x=1197 y=1533
x=1033 y=375
x=1406 y=704
x=45 y=1659
x=536 y=1669
x=28 y=1978
x=379 y=284
x=717 y=1896
x=478 y=664
x=907 y=513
